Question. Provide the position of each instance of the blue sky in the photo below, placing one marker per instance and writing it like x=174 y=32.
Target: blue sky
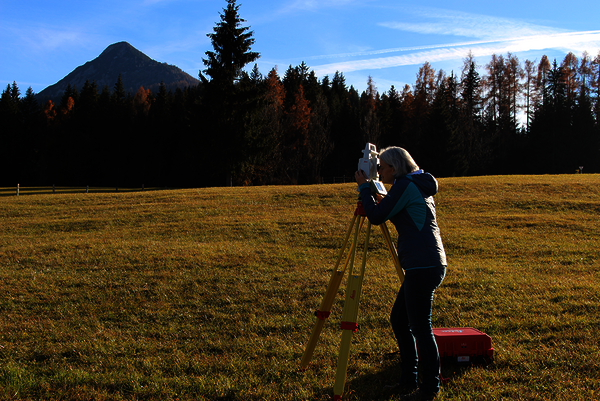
x=42 y=41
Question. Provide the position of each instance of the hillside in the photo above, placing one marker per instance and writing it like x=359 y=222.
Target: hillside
x=209 y=294
x=136 y=69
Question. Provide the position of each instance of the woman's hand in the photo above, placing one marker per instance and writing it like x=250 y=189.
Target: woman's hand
x=361 y=177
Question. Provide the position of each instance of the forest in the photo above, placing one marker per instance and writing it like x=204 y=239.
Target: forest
x=240 y=127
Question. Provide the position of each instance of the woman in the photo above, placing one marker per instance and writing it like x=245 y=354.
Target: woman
x=410 y=207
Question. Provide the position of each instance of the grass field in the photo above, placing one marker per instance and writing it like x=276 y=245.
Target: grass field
x=209 y=294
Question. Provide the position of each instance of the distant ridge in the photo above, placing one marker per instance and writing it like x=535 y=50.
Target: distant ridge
x=135 y=67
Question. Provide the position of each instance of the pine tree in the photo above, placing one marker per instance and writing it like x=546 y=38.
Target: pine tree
x=471 y=89
x=119 y=94
x=529 y=92
x=424 y=93
x=369 y=120
x=70 y=92
x=391 y=117
x=10 y=135
x=88 y=101
x=231 y=43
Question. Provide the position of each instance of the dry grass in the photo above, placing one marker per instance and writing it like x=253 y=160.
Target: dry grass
x=209 y=294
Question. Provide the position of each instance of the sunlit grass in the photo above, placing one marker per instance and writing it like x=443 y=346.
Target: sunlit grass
x=210 y=293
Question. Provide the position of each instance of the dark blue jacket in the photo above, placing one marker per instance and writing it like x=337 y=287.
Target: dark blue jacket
x=410 y=207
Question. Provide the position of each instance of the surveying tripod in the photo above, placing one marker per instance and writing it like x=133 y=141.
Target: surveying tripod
x=353 y=291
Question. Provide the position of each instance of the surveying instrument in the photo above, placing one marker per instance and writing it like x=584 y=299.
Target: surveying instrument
x=349 y=324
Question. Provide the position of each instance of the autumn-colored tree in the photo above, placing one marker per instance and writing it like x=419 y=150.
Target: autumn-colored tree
x=425 y=88
x=570 y=69
x=274 y=108
x=70 y=92
x=542 y=78
x=585 y=72
x=67 y=109
x=275 y=93
x=266 y=153
x=296 y=136
x=142 y=102
x=49 y=111
x=267 y=130
x=300 y=117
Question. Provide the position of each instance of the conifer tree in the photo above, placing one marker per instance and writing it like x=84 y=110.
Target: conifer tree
x=231 y=52
x=119 y=91
x=369 y=121
x=529 y=92
x=231 y=43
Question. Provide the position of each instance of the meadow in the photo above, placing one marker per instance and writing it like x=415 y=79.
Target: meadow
x=209 y=294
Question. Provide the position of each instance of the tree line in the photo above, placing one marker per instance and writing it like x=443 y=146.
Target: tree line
x=246 y=128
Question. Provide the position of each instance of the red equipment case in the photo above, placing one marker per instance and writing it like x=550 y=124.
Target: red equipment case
x=464 y=344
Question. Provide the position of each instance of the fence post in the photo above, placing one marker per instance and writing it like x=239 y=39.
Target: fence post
x=17 y=189
x=87 y=189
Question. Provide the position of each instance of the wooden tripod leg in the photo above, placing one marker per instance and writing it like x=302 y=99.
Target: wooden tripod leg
x=327 y=302
x=350 y=317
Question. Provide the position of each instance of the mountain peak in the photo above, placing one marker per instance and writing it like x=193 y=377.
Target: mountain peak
x=121 y=58
x=122 y=49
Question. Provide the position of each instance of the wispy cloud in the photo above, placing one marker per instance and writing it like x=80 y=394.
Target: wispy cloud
x=45 y=38
x=571 y=41
x=317 y=4
x=295 y=6
x=491 y=35
x=447 y=22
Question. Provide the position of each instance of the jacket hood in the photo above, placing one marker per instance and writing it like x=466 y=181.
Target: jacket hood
x=424 y=181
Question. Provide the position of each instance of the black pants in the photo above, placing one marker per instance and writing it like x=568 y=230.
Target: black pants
x=411 y=322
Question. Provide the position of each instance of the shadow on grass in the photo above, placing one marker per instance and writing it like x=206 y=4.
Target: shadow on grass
x=372 y=386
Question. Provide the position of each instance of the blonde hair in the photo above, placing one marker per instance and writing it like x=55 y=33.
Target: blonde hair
x=399 y=159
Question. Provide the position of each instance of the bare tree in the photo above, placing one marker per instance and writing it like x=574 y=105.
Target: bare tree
x=570 y=67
